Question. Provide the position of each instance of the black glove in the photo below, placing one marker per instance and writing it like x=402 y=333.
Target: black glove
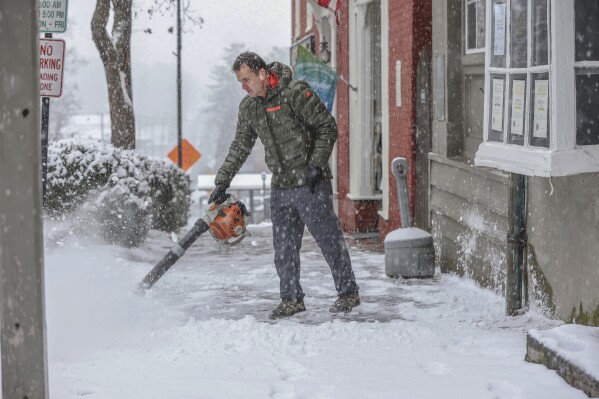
x=218 y=195
x=315 y=176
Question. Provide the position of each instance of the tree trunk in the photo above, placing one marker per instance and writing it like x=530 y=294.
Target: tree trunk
x=115 y=54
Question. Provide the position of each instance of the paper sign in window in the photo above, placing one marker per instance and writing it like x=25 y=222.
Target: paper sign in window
x=540 y=108
x=518 y=90
x=499 y=45
x=497 y=113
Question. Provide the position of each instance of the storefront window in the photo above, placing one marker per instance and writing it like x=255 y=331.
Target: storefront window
x=516 y=124
x=498 y=39
x=540 y=33
x=542 y=87
x=587 y=71
x=587 y=33
x=587 y=107
x=517 y=109
x=497 y=108
x=539 y=115
x=519 y=34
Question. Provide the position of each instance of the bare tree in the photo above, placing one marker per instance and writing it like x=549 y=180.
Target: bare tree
x=115 y=52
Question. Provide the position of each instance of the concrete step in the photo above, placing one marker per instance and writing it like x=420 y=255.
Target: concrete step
x=568 y=357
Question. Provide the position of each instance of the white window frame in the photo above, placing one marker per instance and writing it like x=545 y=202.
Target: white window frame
x=466 y=31
x=384 y=212
x=563 y=157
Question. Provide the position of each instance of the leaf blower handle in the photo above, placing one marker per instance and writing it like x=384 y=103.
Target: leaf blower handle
x=173 y=255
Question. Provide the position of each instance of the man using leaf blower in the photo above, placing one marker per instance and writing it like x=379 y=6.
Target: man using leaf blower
x=298 y=134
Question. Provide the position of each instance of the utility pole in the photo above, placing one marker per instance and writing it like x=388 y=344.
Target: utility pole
x=179 y=118
x=22 y=325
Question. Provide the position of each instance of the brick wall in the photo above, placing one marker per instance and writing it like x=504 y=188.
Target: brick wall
x=410 y=31
x=347 y=209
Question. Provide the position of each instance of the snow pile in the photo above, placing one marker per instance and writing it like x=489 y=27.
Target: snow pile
x=125 y=192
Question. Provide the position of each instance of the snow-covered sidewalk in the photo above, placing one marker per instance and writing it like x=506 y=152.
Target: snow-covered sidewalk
x=203 y=331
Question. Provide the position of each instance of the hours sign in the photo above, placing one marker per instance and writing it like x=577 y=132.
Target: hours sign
x=53 y=15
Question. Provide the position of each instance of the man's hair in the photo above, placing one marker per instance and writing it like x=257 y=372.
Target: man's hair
x=252 y=60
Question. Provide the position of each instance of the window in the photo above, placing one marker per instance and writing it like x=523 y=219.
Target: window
x=519 y=70
x=587 y=71
x=373 y=21
x=475 y=25
x=541 y=87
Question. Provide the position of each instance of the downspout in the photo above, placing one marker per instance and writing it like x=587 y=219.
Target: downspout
x=516 y=240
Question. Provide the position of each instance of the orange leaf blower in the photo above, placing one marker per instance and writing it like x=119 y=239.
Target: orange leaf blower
x=226 y=222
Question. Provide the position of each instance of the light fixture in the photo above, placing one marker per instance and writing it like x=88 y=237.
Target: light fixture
x=325 y=54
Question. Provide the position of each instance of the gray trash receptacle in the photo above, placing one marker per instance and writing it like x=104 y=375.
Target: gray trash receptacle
x=409 y=251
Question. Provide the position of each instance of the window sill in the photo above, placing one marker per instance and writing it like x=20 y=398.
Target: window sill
x=538 y=161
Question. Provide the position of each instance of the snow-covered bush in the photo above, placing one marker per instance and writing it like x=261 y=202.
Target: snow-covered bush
x=171 y=195
x=125 y=192
x=122 y=214
x=75 y=168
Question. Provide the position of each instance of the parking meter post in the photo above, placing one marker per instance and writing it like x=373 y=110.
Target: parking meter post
x=400 y=170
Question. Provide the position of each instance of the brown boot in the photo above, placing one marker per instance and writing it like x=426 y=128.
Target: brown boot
x=345 y=303
x=287 y=307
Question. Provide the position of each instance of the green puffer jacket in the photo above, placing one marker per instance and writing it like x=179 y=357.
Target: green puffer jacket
x=292 y=123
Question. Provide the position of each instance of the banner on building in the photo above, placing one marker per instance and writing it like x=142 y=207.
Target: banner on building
x=317 y=74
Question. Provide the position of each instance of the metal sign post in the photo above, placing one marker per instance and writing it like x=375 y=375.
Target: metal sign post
x=52 y=19
x=179 y=111
x=51 y=71
x=45 y=120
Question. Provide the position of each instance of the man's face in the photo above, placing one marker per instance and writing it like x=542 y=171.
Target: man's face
x=253 y=83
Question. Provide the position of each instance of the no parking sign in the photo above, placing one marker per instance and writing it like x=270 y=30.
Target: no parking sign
x=51 y=67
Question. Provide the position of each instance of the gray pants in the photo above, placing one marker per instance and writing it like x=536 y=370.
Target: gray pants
x=293 y=208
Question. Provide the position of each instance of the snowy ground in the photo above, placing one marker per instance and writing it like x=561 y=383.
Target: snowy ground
x=203 y=331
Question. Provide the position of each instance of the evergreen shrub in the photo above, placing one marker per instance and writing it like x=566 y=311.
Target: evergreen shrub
x=126 y=193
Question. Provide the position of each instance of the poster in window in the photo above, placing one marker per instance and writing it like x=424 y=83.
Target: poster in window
x=499 y=45
x=540 y=108
x=497 y=114
x=518 y=90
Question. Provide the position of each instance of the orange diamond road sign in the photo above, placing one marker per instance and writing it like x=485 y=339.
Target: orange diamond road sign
x=189 y=154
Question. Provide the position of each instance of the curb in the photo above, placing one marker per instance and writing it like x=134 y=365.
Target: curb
x=536 y=352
